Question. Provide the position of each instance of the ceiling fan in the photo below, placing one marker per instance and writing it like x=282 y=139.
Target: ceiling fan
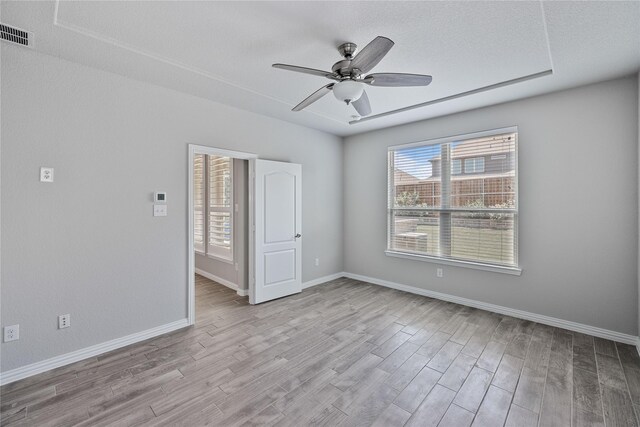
x=348 y=74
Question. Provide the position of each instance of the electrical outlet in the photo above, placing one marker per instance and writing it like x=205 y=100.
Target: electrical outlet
x=317 y=262
x=64 y=321
x=46 y=174
x=439 y=272
x=11 y=333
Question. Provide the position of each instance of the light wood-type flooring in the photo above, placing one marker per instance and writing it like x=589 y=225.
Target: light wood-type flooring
x=343 y=353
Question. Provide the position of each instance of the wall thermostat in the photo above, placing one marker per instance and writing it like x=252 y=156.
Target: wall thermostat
x=160 y=197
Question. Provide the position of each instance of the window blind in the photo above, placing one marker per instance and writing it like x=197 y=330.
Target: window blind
x=220 y=202
x=199 y=195
x=455 y=198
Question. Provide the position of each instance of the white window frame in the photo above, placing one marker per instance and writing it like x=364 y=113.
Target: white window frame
x=447 y=261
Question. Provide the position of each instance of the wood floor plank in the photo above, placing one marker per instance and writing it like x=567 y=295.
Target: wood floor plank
x=391 y=345
x=618 y=409
x=605 y=346
x=508 y=373
x=357 y=371
x=464 y=333
x=584 y=358
x=407 y=371
x=491 y=356
x=434 y=344
x=494 y=408
x=530 y=388
x=393 y=416
x=360 y=392
x=610 y=372
x=519 y=346
x=398 y=357
x=367 y=411
x=445 y=356
x=476 y=344
x=473 y=390
x=456 y=417
x=418 y=389
x=556 y=404
x=457 y=373
x=432 y=408
x=521 y=417
x=630 y=361
x=587 y=403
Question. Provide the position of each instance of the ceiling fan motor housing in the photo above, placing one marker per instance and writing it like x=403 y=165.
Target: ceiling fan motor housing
x=348 y=49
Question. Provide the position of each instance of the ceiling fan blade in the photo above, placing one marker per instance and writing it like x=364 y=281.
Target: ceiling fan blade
x=313 y=97
x=372 y=53
x=397 y=79
x=305 y=70
x=362 y=105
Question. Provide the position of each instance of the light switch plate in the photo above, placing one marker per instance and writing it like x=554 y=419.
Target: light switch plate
x=159 y=210
x=46 y=174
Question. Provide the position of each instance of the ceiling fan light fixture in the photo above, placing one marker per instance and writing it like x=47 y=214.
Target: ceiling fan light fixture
x=348 y=91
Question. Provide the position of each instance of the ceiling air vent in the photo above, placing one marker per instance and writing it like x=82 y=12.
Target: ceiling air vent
x=15 y=35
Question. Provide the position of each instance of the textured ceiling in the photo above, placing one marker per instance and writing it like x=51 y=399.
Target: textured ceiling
x=223 y=51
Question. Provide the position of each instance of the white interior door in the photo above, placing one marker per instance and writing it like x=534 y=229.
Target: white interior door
x=277 y=230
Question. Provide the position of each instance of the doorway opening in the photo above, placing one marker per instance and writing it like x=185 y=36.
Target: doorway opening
x=218 y=226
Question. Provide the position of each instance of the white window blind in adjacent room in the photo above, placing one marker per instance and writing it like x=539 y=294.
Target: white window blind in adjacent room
x=220 y=207
x=199 y=194
x=438 y=210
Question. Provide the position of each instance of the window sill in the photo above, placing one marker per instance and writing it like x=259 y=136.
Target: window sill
x=216 y=257
x=221 y=259
x=466 y=264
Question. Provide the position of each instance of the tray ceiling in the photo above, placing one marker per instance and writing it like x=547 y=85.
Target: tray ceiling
x=223 y=51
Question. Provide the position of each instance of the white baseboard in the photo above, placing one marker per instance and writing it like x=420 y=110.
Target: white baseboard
x=547 y=320
x=323 y=279
x=84 y=353
x=225 y=282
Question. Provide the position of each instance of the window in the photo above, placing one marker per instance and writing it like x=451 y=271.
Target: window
x=474 y=165
x=199 y=196
x=213 y=200
x=456 y=167
x=435 y=213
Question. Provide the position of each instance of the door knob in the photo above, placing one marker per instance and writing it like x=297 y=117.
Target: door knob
x=298 y=235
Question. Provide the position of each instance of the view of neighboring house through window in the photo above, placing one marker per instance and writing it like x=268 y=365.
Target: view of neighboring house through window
x=456 y=167
x=455 y=199
x=474 y=165
x=213 y=204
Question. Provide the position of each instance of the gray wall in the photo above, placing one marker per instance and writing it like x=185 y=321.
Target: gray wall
x=227 y=270
x=578 y=224
x=88 y=244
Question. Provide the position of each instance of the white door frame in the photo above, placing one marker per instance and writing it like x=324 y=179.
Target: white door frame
x=193 y=150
